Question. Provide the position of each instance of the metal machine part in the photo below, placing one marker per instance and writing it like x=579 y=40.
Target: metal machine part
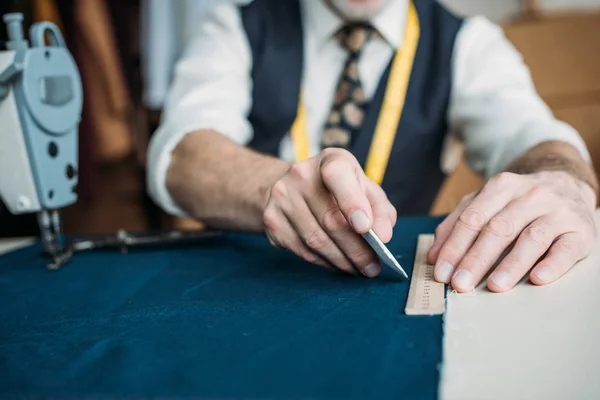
x=40 y=105
x=125 y=241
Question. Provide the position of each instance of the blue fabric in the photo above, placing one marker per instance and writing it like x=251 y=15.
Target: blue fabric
x=412 y=179
x=233 y=318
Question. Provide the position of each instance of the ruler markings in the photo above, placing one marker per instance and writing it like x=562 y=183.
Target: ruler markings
x=425 y=295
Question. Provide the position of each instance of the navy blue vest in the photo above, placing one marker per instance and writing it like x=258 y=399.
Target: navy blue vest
x=413 y=176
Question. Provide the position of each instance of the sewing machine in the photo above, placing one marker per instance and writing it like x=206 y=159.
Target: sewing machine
x=41 y=101
x=40 y=108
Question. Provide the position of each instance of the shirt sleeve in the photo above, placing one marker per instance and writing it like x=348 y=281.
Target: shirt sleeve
x=211 y=89
x=494 y=107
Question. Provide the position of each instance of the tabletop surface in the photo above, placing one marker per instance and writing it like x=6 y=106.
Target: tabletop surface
x=7 y=245
x=532 y=342
x=229 y=318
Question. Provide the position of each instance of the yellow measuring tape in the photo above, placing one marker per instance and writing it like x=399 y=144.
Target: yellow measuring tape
x=391 y=109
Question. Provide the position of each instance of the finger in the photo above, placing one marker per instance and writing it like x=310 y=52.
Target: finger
x=531 y=245
x=443 y=230
x=281 y=235
x=344 y=247
x=492 y=198
x=384 y=213
x=304 y=253
x=315 y=238
x=273 y=241
x=500 y=232
x=562 y=256
x=340 y=174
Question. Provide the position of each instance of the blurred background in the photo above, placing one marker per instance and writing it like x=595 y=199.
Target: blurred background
x=126 y=50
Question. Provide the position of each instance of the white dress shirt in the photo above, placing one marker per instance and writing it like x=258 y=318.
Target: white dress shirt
x=494 y=109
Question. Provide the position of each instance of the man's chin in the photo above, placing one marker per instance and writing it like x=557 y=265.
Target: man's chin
x=357 y=10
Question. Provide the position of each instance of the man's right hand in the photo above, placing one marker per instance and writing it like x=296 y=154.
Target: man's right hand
x=319 y=208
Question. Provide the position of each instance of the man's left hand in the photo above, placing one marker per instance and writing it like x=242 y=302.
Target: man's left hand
x=545 y=215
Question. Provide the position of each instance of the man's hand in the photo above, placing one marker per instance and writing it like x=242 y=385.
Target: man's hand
x=319 y=208
x=547 y=214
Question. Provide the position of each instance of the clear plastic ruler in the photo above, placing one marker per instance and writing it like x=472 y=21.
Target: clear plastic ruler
x=425 y=295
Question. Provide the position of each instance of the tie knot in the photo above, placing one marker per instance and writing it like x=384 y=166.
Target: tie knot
x=354 y=36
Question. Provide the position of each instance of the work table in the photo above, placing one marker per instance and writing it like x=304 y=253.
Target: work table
x=532 y=342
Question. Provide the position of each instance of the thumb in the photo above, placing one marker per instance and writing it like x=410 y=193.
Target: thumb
x=340 y=175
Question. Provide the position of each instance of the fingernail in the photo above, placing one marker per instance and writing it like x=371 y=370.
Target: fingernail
x=501 y=279
x=463 y=279
x=544 y=275
x=371 y=270
x=444 y=271
x=359 y=220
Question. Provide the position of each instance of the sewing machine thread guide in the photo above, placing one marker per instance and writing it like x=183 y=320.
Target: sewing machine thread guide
x=426 y=296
